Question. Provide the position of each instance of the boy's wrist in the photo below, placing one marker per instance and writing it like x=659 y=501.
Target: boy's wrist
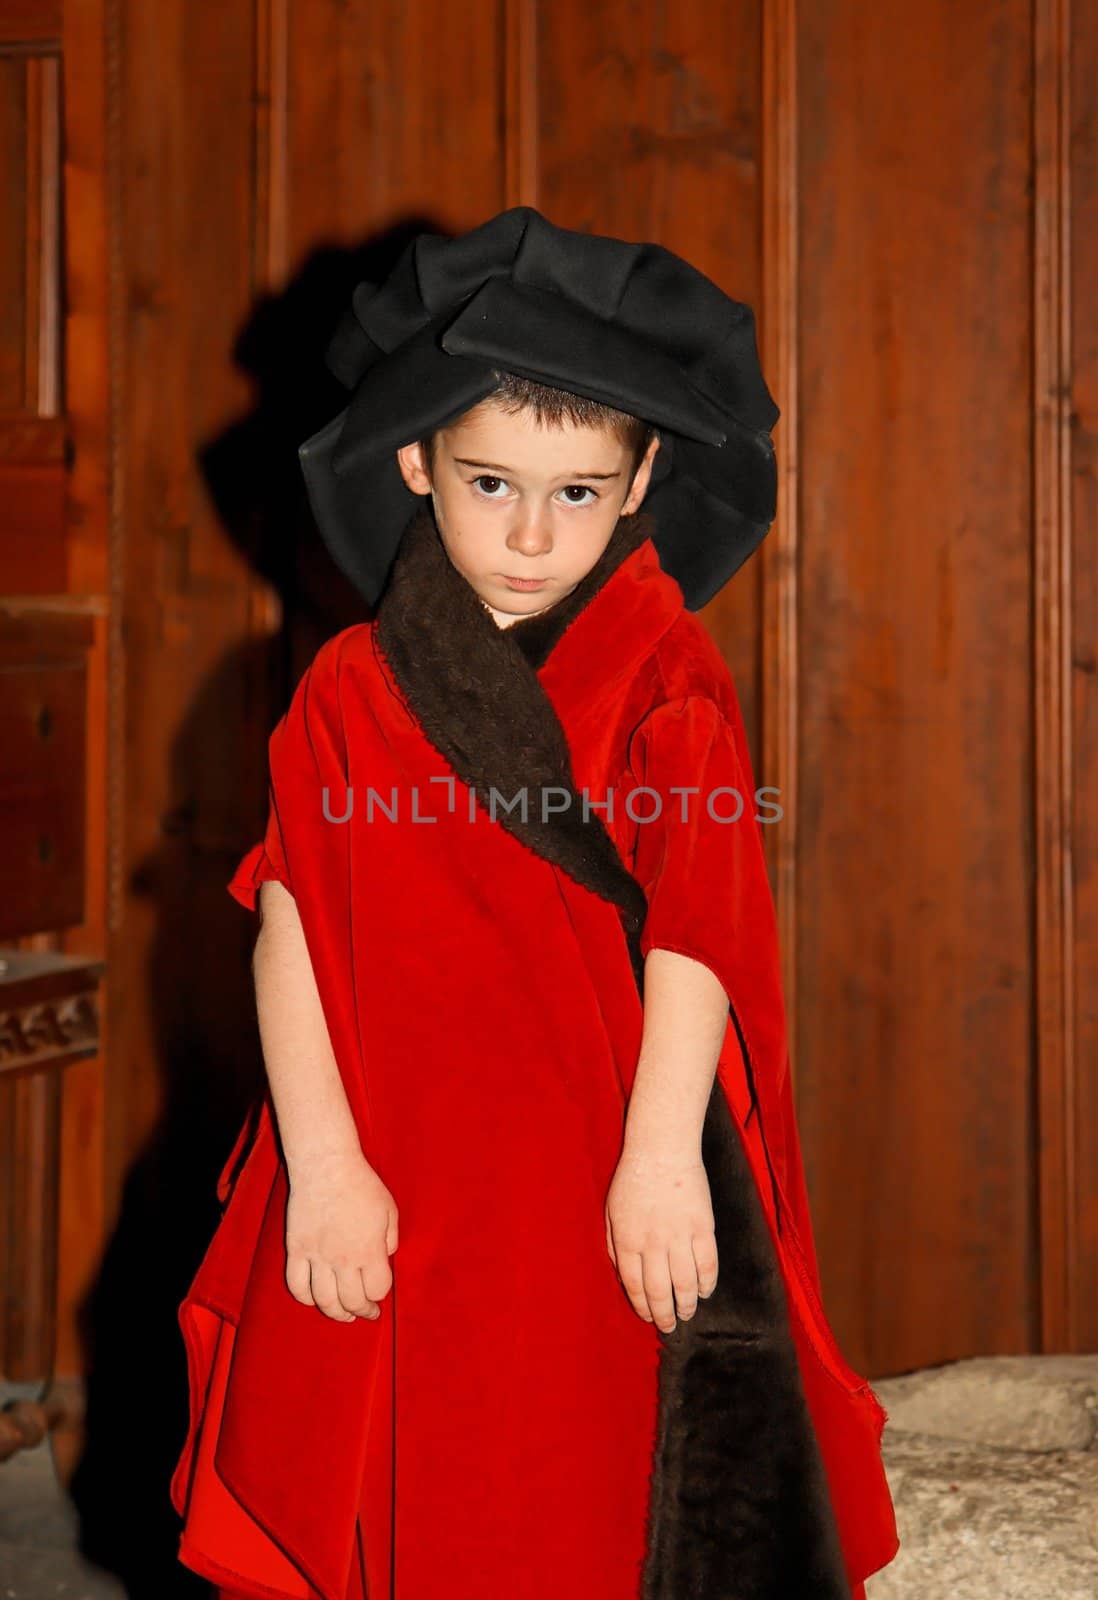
x=323 y=1161
x=649 y=1133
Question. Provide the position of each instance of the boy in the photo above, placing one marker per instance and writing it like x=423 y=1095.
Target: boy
x=515 y=1293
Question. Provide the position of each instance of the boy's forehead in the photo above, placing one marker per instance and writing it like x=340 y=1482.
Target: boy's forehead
x=528 y=437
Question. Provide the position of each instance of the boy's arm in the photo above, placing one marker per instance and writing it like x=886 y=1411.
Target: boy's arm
x=341 y=1220
x=700 y=870
x=659 y=1212
x=314 y=1117
x=685 y=1017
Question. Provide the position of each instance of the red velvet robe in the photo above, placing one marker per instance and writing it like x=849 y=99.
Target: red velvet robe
x=491 y=1434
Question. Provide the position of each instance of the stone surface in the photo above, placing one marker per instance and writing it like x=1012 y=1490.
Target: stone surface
x=993 y=1466
x=39 y=1529
x=1012 y=1402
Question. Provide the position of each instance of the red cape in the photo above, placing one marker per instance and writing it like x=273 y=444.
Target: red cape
x=459 y=1396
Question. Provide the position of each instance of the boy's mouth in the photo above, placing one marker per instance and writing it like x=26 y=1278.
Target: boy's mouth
x=523 y=583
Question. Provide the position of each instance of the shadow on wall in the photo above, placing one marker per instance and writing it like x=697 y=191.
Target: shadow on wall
x=200 y=991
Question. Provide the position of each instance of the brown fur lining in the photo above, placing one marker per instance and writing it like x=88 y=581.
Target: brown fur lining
x=474 y=688
x=739 y=1505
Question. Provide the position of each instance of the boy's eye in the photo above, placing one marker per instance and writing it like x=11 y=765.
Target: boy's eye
x=487 y=485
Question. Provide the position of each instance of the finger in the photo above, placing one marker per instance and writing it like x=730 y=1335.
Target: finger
x=610 y=1239
x=684 y=1279
x=391 y=1234
x=378 y=1278
x=706 y=1259
x=657 y=1289
x=325 y=1296
x=352 y=1292
x=632 y=1280
x=373 y=1310
x=297 y=1279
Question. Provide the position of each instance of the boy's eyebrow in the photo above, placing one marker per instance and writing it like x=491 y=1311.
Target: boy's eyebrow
x=494 y=466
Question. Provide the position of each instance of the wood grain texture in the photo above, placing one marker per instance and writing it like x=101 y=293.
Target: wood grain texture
x=187 y=282
x=43 y=736
x=30 y=1106
x=521 y=103
x=395 y=111
x=15 y=291
x=87 y=404
x=35 y=24
x=45 y=635
x=650 y=128
x=1076 y=461
x=1052 y=578
x=779 y=339
x=915 y=941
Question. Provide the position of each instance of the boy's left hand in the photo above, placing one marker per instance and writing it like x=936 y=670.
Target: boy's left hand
x=660 y=1233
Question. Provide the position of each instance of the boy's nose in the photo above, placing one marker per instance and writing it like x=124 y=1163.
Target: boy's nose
x=532 y=534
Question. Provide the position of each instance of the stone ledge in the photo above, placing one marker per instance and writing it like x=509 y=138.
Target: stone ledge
x=993 y=1466
x=1011 y=1402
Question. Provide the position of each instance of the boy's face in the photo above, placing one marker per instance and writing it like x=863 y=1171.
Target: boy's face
x=515 y=500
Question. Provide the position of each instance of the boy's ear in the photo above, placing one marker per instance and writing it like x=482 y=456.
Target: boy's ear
x=412 y=461
x=639 y=487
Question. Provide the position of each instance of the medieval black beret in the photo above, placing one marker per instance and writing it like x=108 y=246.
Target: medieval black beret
x=631 y=325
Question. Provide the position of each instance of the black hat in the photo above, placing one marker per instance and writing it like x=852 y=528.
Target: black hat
x=631 y=325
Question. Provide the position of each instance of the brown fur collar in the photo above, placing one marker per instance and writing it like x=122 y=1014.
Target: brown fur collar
x=739 y=1507
x=474 y=688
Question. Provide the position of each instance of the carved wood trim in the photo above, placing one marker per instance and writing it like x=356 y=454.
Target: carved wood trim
x=520 y=97
x=1059 y=1194
x=780 y=339
x=48 y=1009
x=271 y=143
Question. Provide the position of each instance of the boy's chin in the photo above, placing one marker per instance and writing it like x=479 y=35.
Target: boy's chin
x=510 y=605
x=504 y=613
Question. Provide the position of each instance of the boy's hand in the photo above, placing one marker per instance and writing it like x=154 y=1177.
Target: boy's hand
x=660 y=1233
x=341 y=1229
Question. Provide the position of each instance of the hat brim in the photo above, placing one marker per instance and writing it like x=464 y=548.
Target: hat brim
x=406 y=395
x=361 y=511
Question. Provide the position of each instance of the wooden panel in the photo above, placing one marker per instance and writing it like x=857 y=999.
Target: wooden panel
x=779 y=340
x=43 y=369
x=649 y=127
x=1077 y=223
x=186 y=287
x=915 y=965
x=29 y=234
x=30 y=1116
x=48 y=1018
x=33 y=557
x=92 y=122
x=33 y=490
x=34 y=23
x=13 y=232
x=32 y=463
x=43 y=735
x=394 y=113
x=43 y=662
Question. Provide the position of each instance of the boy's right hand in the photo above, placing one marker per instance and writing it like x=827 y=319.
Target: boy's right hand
x=341 y=1229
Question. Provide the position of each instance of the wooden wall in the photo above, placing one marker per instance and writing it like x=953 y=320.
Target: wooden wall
x=915 y=949
x=909 y=197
